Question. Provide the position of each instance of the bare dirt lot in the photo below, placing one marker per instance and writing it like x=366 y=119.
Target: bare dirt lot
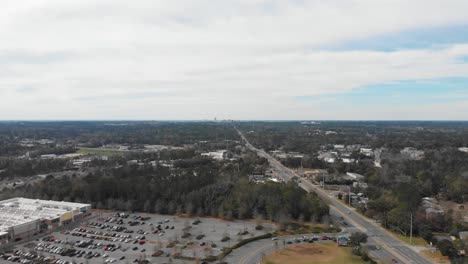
x=436 y=256
x=327 y=253
x=459 y=211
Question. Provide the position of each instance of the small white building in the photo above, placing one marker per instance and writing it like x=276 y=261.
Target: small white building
x=217 y=155
x=463 y=150
x=48 y=156
x=367 y=152
x=361 y=185
x=347 y=160
x=355 y=176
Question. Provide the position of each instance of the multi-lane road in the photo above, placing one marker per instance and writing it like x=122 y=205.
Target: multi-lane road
x=392 y=249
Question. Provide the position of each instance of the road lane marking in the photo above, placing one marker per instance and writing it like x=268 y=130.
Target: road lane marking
x=327 y=197
x=252 y=254
x=323 y=195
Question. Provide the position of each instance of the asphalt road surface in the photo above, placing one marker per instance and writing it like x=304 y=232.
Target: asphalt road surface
x=392 y=248
x=255 y=251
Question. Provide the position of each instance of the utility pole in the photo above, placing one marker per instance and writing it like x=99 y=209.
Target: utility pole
x=349 y=196
x=411 y=229
x=323 y=181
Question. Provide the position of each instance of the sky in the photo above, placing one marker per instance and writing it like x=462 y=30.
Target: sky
x=239 y=59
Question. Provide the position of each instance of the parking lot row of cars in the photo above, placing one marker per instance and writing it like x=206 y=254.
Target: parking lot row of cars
x=93 y=234
x=116 y=237
x=77 y=253
x=305 y=239
x=98 y=239
x=30 y=258
x=108 y=227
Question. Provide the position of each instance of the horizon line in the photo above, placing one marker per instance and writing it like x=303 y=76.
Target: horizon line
x=234 y=120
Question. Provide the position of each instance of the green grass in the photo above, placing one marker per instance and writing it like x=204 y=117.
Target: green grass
x=98 y=151
x=417 y=241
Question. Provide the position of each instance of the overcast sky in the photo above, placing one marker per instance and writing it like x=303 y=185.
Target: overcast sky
x=242 y=59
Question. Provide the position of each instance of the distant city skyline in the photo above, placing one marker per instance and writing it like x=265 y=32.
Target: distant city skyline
x=240 y=60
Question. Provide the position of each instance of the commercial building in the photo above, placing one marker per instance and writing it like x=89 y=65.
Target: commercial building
x=21 y=218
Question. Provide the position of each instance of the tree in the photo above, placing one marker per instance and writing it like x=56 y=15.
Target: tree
x=446 y=248
x=357 y=238
x=147 y=206
x=383 y=205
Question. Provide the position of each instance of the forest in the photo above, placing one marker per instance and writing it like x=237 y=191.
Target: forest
x=193 y=184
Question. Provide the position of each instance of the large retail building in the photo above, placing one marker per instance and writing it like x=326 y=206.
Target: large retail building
x=21 y=218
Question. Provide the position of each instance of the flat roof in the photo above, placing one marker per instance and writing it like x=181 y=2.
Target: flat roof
x=19 y=211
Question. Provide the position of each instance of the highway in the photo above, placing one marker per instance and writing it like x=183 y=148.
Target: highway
x=392 y=247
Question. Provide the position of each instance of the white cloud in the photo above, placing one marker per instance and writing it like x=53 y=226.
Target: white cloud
x=189 y=59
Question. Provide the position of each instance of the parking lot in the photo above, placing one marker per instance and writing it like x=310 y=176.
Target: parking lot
x=126 y=238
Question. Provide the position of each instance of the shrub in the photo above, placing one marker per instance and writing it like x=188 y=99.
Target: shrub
x=446 y=248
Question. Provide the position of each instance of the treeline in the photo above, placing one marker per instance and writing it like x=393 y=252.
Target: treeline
x=198 y=186
x=12 y=167
x=308 y=138
x=96 y=134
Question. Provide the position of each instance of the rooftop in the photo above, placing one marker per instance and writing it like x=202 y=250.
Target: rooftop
x=18 y=211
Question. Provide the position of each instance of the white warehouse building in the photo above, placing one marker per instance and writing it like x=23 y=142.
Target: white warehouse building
x=22 y=218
